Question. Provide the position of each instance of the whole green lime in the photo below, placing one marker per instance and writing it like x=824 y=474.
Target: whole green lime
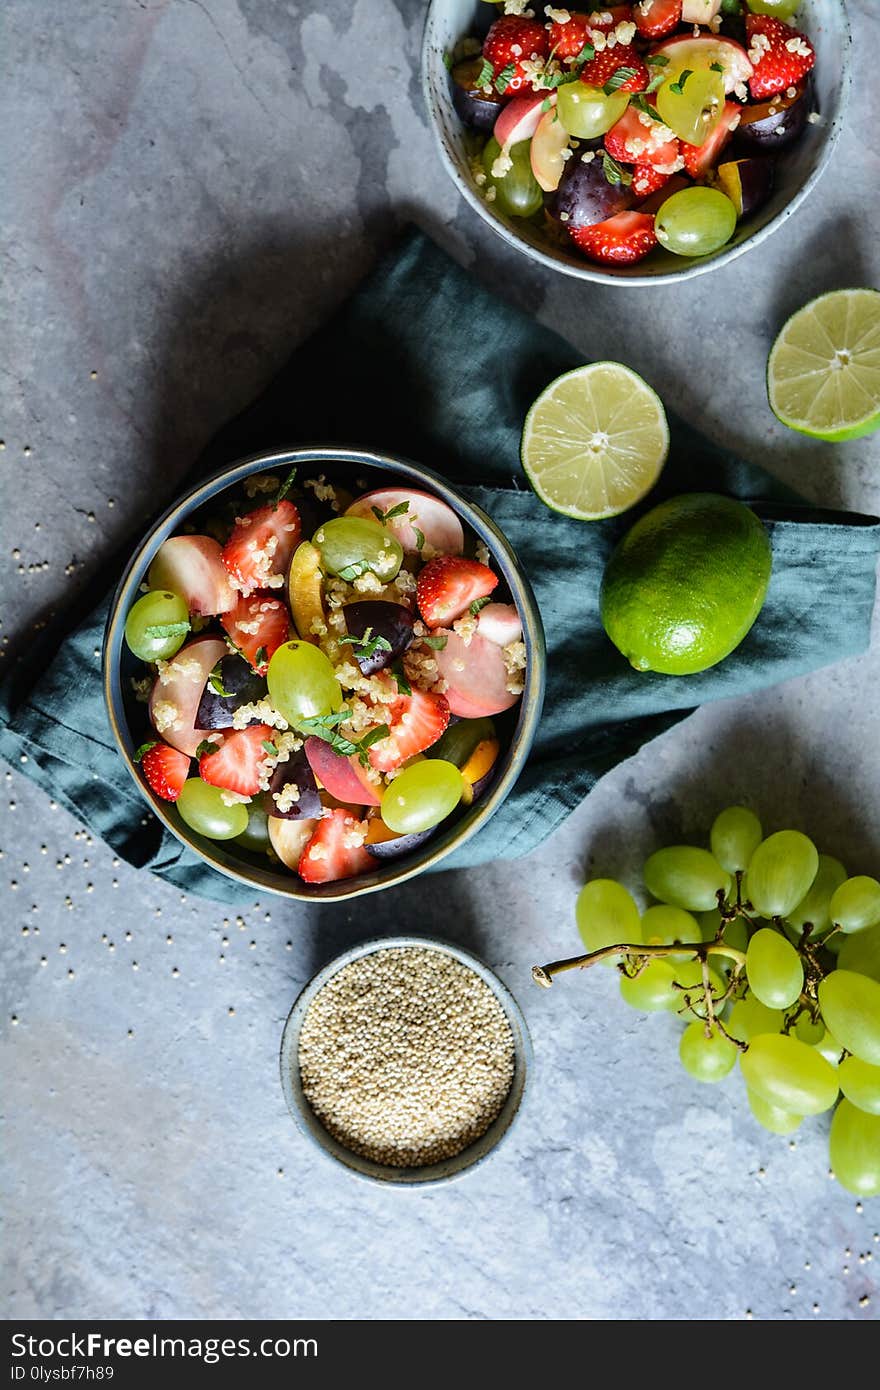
x=684 y=586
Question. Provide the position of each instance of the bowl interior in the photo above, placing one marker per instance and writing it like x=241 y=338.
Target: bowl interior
x=796 y=169
x=128 y=716
x=311 y=1126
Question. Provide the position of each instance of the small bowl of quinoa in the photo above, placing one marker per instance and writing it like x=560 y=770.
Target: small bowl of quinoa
x=405 y=1059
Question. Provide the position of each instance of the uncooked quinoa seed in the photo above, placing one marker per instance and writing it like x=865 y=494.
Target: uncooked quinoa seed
x=406 y=1056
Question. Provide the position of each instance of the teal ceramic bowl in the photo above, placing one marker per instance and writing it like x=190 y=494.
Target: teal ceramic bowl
x=517 y=727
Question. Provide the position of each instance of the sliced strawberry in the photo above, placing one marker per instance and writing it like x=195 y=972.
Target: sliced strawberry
x=258 y=551
x=236 y=765
x=699 y=159
x=335 y=850
x=567 y=37
x=637 y=139
x=258 y=626
x=602 y=68
x=623 y=240
x=607 y=17
x=511 y=40
x=781 y=56
x=654 y=18
x=448 y=586
x=416 y=721
x=647 y=180
x=166 y=769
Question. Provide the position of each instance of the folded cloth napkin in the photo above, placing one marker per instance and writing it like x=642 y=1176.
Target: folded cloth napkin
x=410 y=365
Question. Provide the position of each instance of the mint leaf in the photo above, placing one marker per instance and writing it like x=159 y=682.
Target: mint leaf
x=614 y=172
x=324 y=726
x=206 y=746
x=144 y=749
x=284 y=488
x=403 y=684
x=715 y=67
x=270 y=747
x=641 y=105
x=504 y=77
x=262 y=656
x=367 y=645
x=420 y=539
x=353 y=571
x=162 y=630
x=678 y=87
x=657 y=60
x=586 y=54
x=546 y=104
x=486 y=73
x=437 y=643
x=215 y=683
x=654 y=85
x=617 y=79
x=477 y=604
x=374 y=736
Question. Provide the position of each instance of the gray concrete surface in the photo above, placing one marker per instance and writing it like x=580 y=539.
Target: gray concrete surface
x=170 y=161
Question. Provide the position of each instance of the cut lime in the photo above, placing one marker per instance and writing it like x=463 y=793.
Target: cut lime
x=595 y=441
x=823 y=374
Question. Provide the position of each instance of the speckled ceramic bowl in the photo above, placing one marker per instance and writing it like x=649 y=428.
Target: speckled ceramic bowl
x=308 y=1122
x=798 y=168
x=516 y=727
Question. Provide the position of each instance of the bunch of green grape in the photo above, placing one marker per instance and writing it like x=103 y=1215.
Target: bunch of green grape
x=770 y=954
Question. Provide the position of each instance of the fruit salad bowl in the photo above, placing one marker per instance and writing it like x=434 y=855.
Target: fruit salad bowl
x=321 y=718
x=774 y=150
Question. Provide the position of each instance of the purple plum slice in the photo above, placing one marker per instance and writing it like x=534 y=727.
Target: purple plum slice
x=295 y=771
x=585 y=197
x=775 y=124
x=747 y=182
x=391 y=622
x=242 y=686
x=400 y=844
x=478 y=109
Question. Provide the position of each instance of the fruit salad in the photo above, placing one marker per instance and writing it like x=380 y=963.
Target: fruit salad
x=621 y=129
x=326 y=701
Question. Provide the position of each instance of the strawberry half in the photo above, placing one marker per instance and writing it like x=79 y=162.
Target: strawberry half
x=166 y=769
x=335 y=849
x=236 y=764
x=634 y=140
x=654 y=18
x=416 y=722
x=511 y=39
x=448 y=586
x=699 y=159
x=258 y=626
x=781 y=56
x=258 y=551
x=567 y=38
x=646 y=180
x=622 y=240
x=602 y=68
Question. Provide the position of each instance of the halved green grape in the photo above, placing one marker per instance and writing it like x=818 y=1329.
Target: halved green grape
x=662 y=925
x=779 y=9
x=652 y=989
x=203 y=809
x=349 y=546
x=607 y=915
x=686 y=877
x=856 y=904
x=855 y=1149
x=706 y=1058
x=749 y=1018
x=860 y=1083
x=587 y=112
x=774 y=969
x=814 y=907
x=850 y=1005
x=806 y=1031
x=422 y=796
x=157 y=610
x=861 y=952
x=689 y=974
x=735 y=835
x=692 y=105
x=789 y=1074
x=781 y=872
x=255 y=835
x=695 y=221
x=772 y=1117
x=517 y=192
x=829 y=1048
x=302 y=683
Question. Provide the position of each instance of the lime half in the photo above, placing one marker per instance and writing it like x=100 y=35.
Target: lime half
x=595 y=441
x=823 y=375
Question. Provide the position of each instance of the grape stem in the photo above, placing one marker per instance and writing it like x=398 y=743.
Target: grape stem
x=701 y=950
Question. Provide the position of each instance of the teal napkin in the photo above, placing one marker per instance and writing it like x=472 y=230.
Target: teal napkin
x=424 y=361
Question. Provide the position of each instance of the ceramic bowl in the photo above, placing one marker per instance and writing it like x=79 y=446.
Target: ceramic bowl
x=797 y=169
x=516 y=727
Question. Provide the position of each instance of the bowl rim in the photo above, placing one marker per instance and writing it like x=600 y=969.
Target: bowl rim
x=609 y=276
x=387 y=873
x=447 y=1169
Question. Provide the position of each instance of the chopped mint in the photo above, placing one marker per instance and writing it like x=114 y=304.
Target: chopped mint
x=654 y=85
x=262 y=656
x=403 y=684
x=437 y=643
x=270 y=747
x=144 y=749
x=420 y=539
x=366 y=646
x=162 y=630
x=206 y=746
x=284 y=488
x=486 y=73
x=715 y=67
x=614 y=172
x=504 y=77
x=678 y=87
x=617 y=79
x=586 y=54
x=374 y=736
x=353 y=571
x=325 y=727
x=656 y=60
x=383 y=517
x=640 y=104
x=546 y=104
x=477 y=604
x=215 y=683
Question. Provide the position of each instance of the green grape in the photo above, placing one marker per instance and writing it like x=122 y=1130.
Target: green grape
x=734 y=837
x=809 y=1032
x=692 y=106
x=856 y=904
x=855 y=1150
x=607 y=915
x=772 y=1117
x=695 y=221
x=774 y=969
x=686 y=877
x=706 y=1058
x=781 y=873
x=156 y=609
x=460 y=740
x=652 y=989
x=255 y=835
x=749 y=1018
x=587 y=112
x=203 y=809
x=860 y=952
x=422 y=796
x=829 y=1048
x=710 y=924
x=351 y=545
x=789 y=1074
x=689 y=975
x=662 y=925
x=302 y=682
x=779 y=9
x=517 y=192
x=814 y=907
x=860 y=1083
x=850 y=1005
